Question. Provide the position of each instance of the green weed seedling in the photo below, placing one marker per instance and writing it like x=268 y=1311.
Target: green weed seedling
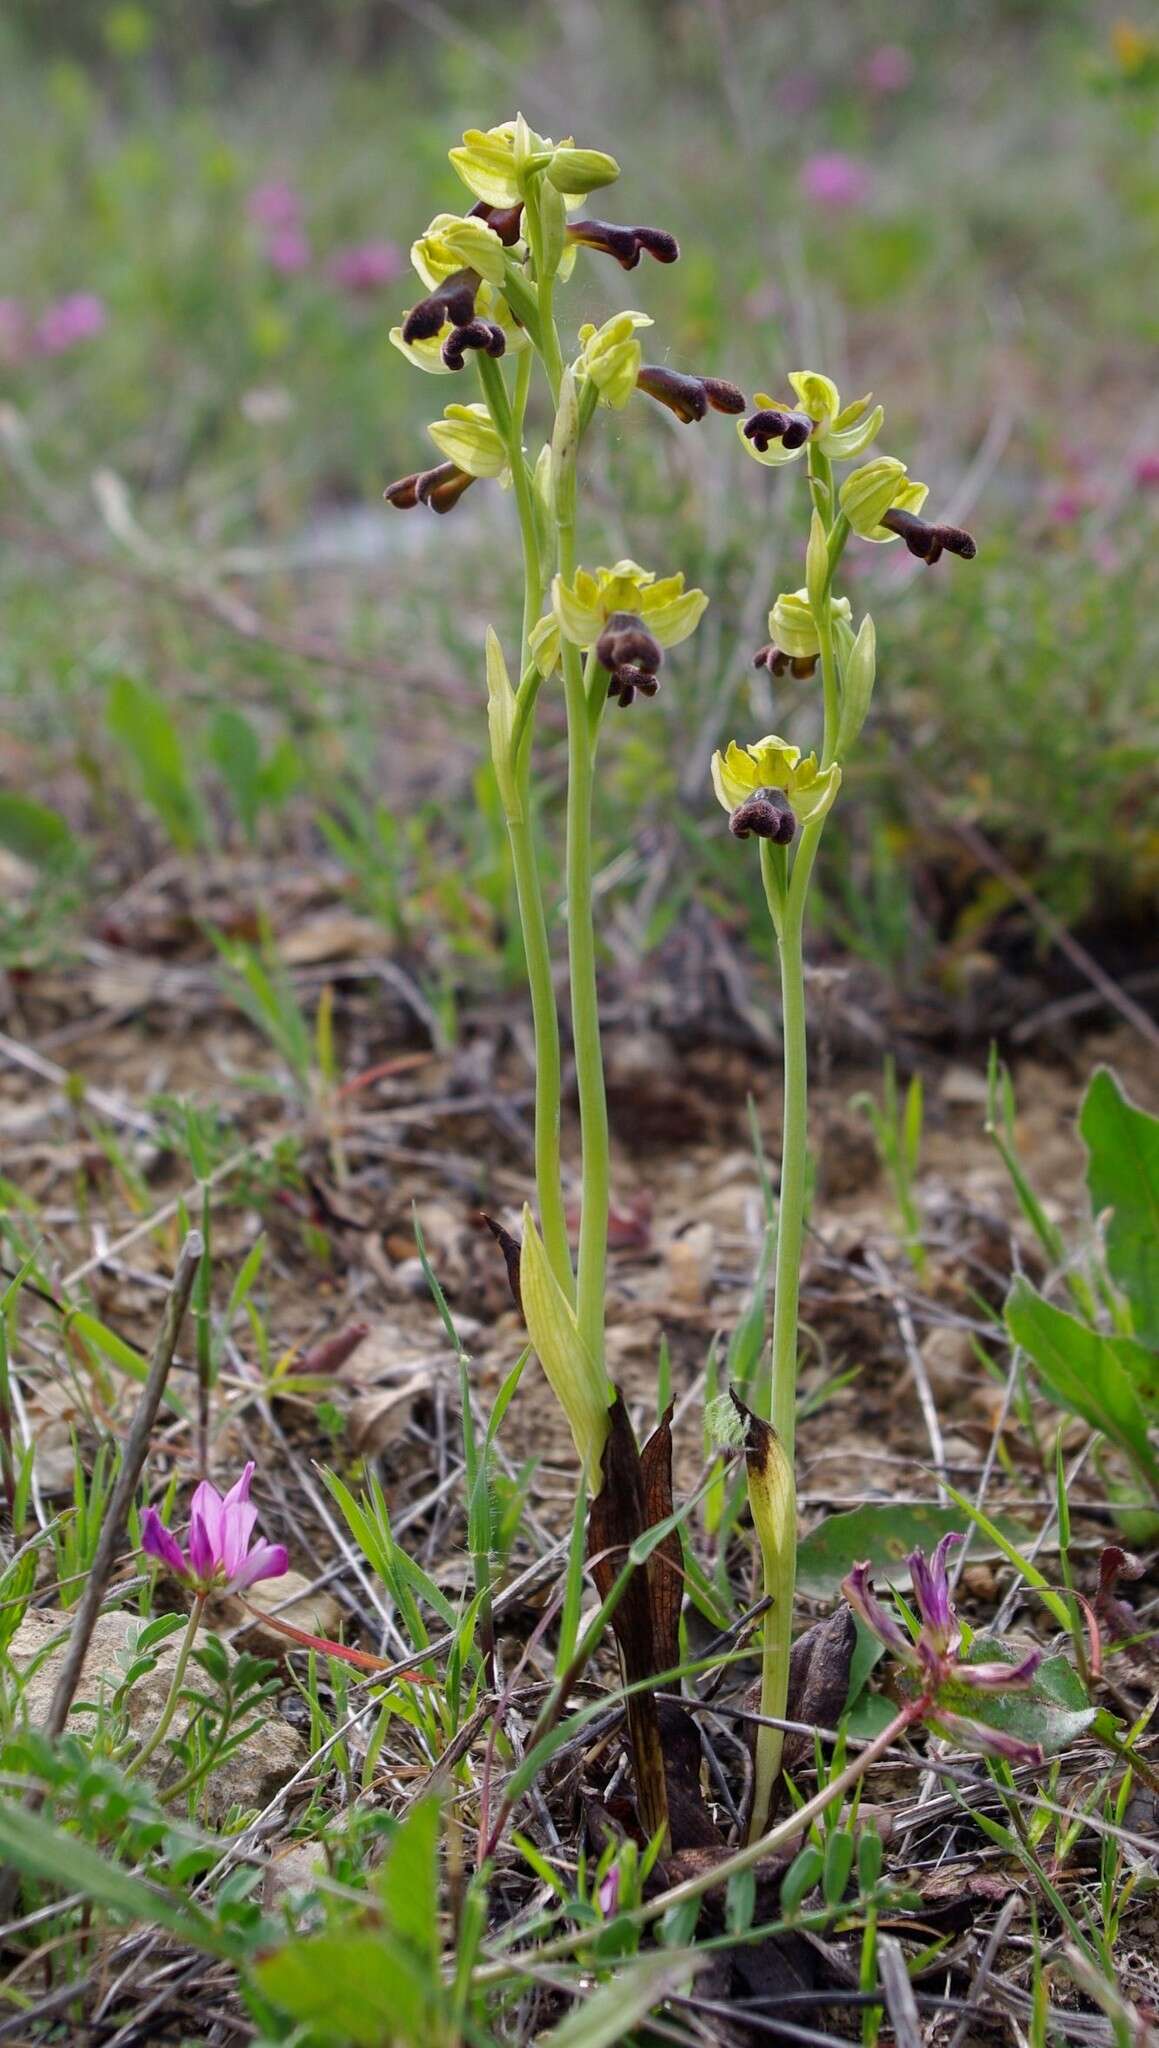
x=897 y=1134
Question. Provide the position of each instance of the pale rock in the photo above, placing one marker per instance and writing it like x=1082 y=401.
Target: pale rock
x=948 y=1357
x=688 y=1261
x=249 y=1778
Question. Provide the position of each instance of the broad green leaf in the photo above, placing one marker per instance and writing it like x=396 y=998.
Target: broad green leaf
x=141 y=721
x=1085 y=1372
x=1123 y=1176
x=408 y=1883
x=34 y=832
x=354 y=1989
x=1053 y=1711
x=881 y=1533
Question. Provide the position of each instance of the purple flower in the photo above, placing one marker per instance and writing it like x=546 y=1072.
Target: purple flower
x=288 y=251
x=274 y=205
x=609 y=1892
x=931 y=1657
x=219 y=1557
x=1145 y=472
x=78 y=317
x=888 y=69
x=835 y=180
x=366 y=266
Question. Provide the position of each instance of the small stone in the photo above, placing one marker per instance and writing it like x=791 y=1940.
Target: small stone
x=291 y=1600
x=948 y=1357
x=248 y=1778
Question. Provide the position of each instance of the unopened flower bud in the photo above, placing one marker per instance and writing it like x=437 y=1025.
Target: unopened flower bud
x=766 y=814
x=581 y=170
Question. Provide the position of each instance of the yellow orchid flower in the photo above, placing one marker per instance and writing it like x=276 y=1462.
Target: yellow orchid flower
x=454 y=242
x=466 y=436
x=497 y=164
x=611 y=356
x=777 y=431
x=626 y=615
x=792 y=627
x=772 y=765
x=880 y=486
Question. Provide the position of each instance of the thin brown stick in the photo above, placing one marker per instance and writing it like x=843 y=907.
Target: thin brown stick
x=132 y=1463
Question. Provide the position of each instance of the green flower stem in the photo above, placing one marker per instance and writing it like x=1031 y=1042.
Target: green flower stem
x=585 y=1012
x=155 y=1740
x=582 y=730
x=545 y=293
x=521 y=837
x=787 y=891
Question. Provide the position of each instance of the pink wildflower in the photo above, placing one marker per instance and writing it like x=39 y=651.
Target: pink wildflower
x=1145 y=472
x=932 y=1661
x=78 y=317
x=889 y=68
x=366 y=266
x=219 y=1558
x=835 y=180
x=274 y=205
x=288 y=251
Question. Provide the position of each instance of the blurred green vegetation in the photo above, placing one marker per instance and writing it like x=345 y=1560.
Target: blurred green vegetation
x=987 y=282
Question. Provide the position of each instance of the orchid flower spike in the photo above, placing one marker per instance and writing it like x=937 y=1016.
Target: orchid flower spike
x=931 y=1659
x=219 y=1558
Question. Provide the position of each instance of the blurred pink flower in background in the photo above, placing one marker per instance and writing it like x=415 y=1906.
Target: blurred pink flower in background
x=366 y=266
x=1067 y=505
x=287 y=251
x=890 y=68
x=275 y=205
x=833 y=179
x=15 y=331
x=1145 y=472
x=80 y=316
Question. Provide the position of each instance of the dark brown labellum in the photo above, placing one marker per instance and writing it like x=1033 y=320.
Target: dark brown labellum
x=624 y=243
x=442 y=487
x=484 y=335
x=766 y=814
x=454 y=301
x=792 y=429
x=779 y=663
x=683 y=395
x=723 y=396
x=926 y=541
x=403 y=495
x=626 y=681
x=507 y=221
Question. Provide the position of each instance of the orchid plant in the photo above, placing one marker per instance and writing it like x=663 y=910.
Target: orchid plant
x=491 y=278
x=781 y=798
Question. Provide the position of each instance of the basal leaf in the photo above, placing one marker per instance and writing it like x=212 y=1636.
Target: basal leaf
x=1123 y=1177
x=1084 y=1371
